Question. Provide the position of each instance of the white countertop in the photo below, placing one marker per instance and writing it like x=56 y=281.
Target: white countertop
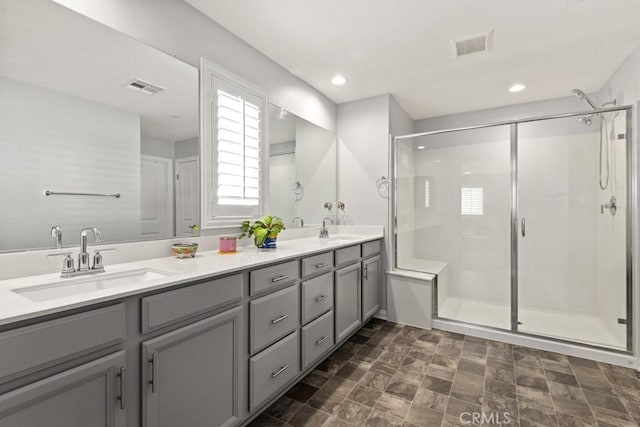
x=15 y=307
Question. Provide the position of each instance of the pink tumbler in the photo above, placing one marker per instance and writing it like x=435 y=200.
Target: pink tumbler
x=227 y=244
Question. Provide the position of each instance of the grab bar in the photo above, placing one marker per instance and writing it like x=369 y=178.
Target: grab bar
x=60 y=193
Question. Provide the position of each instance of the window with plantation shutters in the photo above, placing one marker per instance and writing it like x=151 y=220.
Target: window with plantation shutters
x=232 y=147
x=427 y=193
x=471 y=201
x=238 y=151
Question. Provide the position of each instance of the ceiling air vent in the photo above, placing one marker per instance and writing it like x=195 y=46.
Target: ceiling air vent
x=144 y=87
x=472 y=44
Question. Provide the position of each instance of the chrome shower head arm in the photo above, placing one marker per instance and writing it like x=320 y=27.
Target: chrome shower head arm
x=580 y=94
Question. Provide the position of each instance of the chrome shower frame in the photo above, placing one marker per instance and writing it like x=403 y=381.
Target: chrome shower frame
x=631 y=222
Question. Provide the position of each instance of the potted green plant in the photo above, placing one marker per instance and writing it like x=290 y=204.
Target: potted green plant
x=264 y=231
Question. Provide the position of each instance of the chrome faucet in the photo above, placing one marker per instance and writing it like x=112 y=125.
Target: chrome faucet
x=83 y=256
x=68 y=267
x=56 y=235
x=299 y=220
x=324 y=232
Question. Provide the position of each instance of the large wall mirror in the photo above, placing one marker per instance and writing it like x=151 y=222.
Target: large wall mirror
x=85 y=109
x=302 y=169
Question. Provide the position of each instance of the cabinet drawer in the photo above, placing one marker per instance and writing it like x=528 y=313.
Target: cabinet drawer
x=370 y=248
x=317 y=339
x=273 y=316
x=38 y=346
x=317 y=296
x=273 y=368
x=348 y=255
x=170 y=307
x=269 y=277
x=316 y=264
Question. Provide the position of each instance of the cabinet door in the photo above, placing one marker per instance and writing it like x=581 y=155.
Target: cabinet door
x=86 y=396
x=190 y=377
x=370 y=286
x=347 y=300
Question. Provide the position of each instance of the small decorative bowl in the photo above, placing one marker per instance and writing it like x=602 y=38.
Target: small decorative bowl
x=184 y=250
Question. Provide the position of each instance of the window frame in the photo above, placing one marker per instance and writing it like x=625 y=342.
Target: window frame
x=211 y=219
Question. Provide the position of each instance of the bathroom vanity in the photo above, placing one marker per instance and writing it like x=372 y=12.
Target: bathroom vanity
x=212 y=344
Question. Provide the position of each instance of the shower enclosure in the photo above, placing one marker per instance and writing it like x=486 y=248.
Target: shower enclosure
x=525 y=224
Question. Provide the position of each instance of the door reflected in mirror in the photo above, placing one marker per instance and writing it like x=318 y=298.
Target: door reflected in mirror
x=302 y=169
x=86 y=109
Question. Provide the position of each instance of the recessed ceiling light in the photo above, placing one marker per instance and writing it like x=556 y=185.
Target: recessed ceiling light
x=338 y=80
x=420 y=147
x=517 y=87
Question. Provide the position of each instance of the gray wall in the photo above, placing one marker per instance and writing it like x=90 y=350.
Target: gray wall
x=187 y=148
x=510 y=112
x=363 y=157
x=157 y=147
x=175 y=27
x=54 y=141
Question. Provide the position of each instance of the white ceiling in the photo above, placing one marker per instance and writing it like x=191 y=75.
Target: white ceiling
x=403 y=47
x=50 y=46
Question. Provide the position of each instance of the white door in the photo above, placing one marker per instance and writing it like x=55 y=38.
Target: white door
x=156 y=197
x=187 y=195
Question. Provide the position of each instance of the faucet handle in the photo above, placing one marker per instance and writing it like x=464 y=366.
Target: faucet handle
x=97 y=258
x=67 y=264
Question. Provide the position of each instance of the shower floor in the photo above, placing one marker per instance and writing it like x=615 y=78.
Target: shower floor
x=573 y=327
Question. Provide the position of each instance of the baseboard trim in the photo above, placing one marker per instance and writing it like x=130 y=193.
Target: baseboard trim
x=381 y=314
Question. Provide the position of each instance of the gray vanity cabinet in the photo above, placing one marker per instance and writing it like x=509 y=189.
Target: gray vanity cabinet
x=370 y=286
x=192 y=376
x=85 y=396
x=347 y=301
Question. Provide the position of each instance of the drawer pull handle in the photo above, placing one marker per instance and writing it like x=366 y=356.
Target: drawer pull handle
x=279 y=371
x=279 y=319
x=321 y=340
x=278 y=279
x=320 y=298
x=322 y=265
x=122 y=396
x=154 y=372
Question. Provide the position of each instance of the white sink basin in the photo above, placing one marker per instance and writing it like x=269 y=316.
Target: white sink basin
x=82 y=285
x=340 y=238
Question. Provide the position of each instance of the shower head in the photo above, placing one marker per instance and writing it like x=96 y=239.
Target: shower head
x=586 y=120
x=580 y=94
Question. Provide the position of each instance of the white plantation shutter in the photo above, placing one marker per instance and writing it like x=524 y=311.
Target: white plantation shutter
x=427 y=195
x=238 y=151
x=232 y=147
x=471 y=201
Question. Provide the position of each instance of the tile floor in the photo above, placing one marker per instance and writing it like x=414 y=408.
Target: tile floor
x=390 y=375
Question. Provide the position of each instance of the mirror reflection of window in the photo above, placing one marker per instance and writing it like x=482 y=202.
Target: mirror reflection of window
x=427 y=193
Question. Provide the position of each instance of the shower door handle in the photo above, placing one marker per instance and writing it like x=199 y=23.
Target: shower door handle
x=523 y=224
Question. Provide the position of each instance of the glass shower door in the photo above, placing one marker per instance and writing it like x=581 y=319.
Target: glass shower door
x=571 y=229
x=453 y=216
